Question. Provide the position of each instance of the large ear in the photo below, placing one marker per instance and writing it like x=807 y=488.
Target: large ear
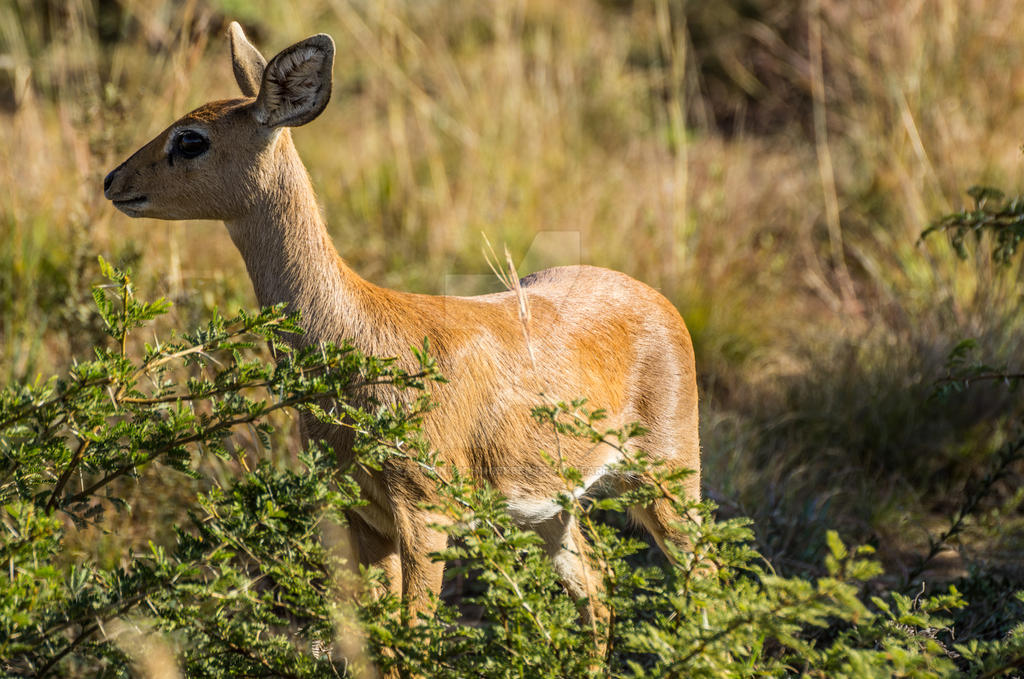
x=246 y=61
x=296 y=83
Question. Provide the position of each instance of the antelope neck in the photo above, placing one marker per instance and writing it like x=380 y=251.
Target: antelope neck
x=290 y=257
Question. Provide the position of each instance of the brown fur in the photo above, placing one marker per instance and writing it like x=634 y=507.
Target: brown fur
x=594 y=333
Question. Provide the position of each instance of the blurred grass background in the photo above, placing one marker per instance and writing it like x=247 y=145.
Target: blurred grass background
x=769 y=165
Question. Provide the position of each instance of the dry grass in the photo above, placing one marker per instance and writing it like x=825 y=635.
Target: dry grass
x=681 y=148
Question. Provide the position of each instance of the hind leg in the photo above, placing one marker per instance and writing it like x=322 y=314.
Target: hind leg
x=661 y=519
x=658 y=518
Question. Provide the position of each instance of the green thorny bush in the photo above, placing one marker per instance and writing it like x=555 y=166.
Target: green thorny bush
x=1001 y=220
x=254 y=580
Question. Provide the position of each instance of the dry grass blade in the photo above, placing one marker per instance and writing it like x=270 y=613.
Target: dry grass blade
x=151 y=654
x=349 y=638
x=510 y=279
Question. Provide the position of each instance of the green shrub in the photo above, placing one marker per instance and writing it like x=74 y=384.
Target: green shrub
x=255 y=581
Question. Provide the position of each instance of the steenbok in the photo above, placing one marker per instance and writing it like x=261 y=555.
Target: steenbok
x=593 y=333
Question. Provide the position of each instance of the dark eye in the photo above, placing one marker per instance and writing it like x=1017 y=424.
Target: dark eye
x=191 y=144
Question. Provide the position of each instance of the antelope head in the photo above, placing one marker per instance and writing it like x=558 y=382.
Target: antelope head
x=213 y=162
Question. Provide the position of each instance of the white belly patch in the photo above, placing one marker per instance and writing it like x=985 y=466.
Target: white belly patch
x=529 y=510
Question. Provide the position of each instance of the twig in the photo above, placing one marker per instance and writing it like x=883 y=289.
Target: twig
x=58 y=487
x=1000 y=376
x=1013 y=663
x=1010 y=452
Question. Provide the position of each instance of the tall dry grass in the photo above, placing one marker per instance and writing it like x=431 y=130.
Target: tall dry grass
x=774 y=193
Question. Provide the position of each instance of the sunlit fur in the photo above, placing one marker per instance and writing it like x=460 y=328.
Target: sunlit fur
x=594 y=333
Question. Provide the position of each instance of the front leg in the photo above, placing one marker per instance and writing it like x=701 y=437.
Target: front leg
x=422 y=576
x=372 y=549
x=405 y=559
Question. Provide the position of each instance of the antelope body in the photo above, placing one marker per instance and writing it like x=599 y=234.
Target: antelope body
x=594 y=333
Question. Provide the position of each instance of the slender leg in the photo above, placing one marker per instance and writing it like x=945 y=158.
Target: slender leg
x=657 y=518
x=374 y=549
x=421 y=575
x=565 y=545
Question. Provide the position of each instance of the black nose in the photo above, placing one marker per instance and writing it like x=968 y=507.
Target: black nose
x=108 y=180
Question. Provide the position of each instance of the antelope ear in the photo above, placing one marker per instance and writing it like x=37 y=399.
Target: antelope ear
x=296 y=83
x=246 y=61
